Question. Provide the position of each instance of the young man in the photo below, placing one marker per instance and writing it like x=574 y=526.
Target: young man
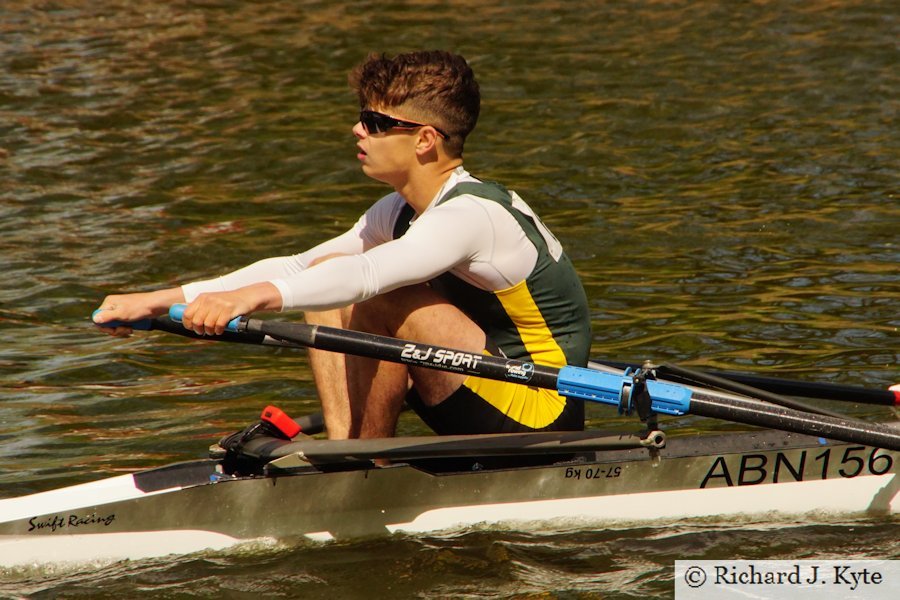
x=445 y=259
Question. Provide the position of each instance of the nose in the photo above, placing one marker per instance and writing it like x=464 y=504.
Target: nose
x=359 y=131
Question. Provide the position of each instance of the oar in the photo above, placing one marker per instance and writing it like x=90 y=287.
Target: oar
x=169 y=325
x=667 y=371
x=586 y=384
x=777 y=385
x=678 y=374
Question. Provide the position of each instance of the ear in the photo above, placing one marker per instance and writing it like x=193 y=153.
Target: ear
x=427 y=140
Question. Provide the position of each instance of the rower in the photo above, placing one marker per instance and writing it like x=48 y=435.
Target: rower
x=445 y=259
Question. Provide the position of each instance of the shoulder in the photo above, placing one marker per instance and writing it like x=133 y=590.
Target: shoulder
x=386 y=209
x=468 y=216
x=488 y=192
x=393 y=202
x=377 y=224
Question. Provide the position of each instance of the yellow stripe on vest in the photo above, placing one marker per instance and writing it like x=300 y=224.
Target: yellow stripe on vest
x=532 y=407
x=533 y=330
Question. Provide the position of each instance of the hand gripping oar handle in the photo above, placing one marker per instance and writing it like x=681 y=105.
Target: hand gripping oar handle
x=586 y=384
x=176 y=313
x=169 y=325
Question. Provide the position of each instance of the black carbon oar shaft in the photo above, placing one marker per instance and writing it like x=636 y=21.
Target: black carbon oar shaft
x=749 y=412
x=707 y=404
x=793 y=387
x=410 y=353
x=667 y=370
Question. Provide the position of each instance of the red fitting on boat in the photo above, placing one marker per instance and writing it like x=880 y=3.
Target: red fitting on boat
x=896 y=390
x=279 y=419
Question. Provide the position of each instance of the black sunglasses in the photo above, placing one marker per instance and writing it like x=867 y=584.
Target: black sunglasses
x=376 y=122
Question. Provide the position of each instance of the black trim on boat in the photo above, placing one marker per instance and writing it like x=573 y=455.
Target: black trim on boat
x=183 y=474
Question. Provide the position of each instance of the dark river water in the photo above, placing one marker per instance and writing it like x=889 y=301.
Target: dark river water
x=724 y=175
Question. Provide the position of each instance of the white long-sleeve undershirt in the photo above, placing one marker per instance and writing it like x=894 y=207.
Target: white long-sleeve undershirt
x=477 y=239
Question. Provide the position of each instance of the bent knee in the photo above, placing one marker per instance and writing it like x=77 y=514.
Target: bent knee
x=336 y=317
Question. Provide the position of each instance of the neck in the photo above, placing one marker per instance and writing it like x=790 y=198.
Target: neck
x=421 y=186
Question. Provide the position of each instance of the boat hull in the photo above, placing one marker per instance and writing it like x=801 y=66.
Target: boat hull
x=193 y=506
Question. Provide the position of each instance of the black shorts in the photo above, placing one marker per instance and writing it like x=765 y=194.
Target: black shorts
x=482 y=406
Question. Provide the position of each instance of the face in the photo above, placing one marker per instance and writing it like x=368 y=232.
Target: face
x=386 y=145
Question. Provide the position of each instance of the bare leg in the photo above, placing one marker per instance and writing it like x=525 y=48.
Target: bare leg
x=330 y=374
x=362 y=397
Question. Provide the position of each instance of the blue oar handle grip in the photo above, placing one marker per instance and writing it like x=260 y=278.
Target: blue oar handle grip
x=143 y=324
x=176 y=313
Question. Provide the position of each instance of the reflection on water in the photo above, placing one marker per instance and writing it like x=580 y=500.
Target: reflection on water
x=573 y=562
x=724 y=176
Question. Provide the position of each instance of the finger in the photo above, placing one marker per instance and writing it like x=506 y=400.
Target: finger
x=104 y=314
x=187 y=318
x=197 y=314
x=222 y=322
x=216 y=321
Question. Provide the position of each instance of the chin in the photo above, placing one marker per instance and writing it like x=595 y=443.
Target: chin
x=374 y=174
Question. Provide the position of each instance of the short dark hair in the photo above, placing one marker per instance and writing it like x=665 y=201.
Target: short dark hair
x=435 y=87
